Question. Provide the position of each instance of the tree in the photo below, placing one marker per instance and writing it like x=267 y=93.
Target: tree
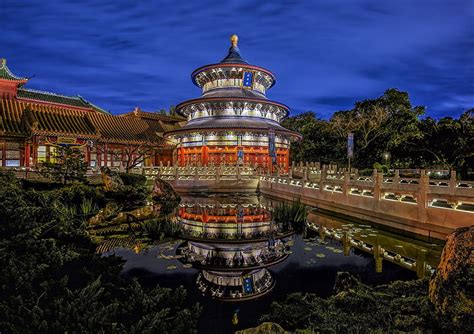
x=135 y=155
x=170 y=112
x=448 y=142
x=319 y=142
x=387 y=123
x=66 y=164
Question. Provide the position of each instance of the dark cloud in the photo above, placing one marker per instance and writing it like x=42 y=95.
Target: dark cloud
x=326 y=54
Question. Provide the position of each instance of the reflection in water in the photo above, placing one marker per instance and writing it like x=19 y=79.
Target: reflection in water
x=310 y=266
x=418 y=256
x=233 y=241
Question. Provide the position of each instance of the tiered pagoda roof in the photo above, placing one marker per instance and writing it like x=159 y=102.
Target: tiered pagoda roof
x=228 y=101
x=232 y=59
x=234 y=123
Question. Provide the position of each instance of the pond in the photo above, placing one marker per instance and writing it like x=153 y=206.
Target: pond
x=233 y=260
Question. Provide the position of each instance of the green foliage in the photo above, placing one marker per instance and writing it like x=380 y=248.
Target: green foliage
x=40 y=185
x=67 y=164
x=388 y=123
x=319 y=143
x=357 y=308
x=128 y=197
x=137 y=180
x=168 y=207
x=448 y=142
x=291 y=216
x=380 y=168
x=52 y=281
x=158 y=228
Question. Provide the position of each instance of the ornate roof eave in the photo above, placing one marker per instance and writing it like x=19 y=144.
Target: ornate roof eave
x=65 y=134
x=68 y=106
x=120 y=141
x=224 y=99
x=93 y=106
x=293 y=134
x=247 y=66
x=6 y=134
x=152 y=116
x=6 y=74
x=40 y=97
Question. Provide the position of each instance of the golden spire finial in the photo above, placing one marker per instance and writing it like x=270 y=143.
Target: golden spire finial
x=234 y=39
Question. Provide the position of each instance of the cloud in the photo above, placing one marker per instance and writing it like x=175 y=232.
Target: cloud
x=326 y=54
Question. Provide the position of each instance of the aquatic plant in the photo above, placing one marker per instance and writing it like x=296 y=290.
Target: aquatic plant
x=88 y=207
x=159 y=228
x=291 y=216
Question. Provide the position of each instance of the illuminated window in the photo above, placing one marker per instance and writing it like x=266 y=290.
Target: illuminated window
x=41 y=153
x=93 y=159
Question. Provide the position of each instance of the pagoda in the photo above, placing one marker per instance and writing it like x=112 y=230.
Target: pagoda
x=233 y=122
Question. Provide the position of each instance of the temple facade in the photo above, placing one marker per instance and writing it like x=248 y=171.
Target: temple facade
x=233 y=122
x=33 y=124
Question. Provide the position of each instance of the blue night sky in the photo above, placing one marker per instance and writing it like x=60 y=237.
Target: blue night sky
x=326 y=54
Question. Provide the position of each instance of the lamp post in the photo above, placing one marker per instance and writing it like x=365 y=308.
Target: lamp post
x=386 y=156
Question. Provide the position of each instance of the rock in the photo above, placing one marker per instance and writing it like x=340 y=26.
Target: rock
x=162 y=191
x=111 y=180
x=451 y=289
x=264 y=328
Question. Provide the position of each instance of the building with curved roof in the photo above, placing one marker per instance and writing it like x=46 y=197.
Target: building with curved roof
x=34 y=123
x=233 y=122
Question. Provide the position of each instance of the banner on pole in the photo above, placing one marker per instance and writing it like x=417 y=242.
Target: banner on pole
x=350 y=145
x=271 y=145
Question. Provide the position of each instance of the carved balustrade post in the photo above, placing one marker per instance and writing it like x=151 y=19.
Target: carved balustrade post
x=345 y=186
x=196 y=173
x=422 y=198
x=420 y=263
x=346 y=243
x=452 y=182
x=324 y=175
x=377 y=181
x=378 y=256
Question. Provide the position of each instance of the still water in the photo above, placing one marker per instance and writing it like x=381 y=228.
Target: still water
x=286 y=264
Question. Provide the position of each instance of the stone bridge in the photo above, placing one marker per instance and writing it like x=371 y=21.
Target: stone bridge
x=425 y=204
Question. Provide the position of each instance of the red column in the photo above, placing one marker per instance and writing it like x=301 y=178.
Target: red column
x=204 y=155
x=269 y=163
x=27 y=154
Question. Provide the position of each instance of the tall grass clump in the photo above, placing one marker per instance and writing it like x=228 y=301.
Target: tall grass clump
x=291 y=216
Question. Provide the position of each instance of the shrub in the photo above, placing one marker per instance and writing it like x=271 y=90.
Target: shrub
x=40 y=185
x=136 y=180
x=51 y=281
x=381 y=168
